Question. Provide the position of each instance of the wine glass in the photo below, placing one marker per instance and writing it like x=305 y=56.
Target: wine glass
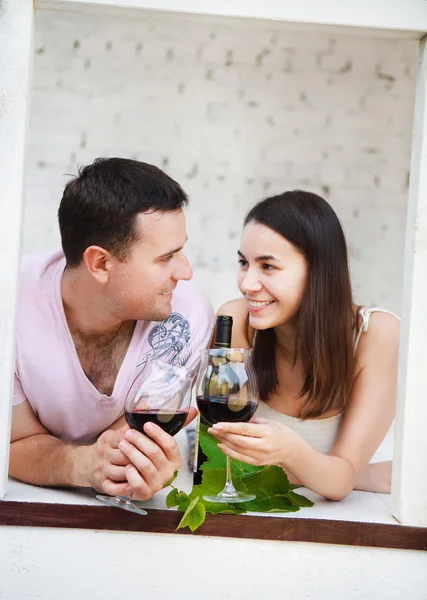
x=227 y=391
x=161 y=394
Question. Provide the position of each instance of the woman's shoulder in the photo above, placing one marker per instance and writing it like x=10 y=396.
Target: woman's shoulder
x=379 y=330
x=237 y=308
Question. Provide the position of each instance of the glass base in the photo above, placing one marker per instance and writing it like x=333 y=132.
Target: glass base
x=230 y=497
x=122 y=502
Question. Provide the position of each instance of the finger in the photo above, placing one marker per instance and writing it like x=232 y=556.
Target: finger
x=165 y=441
x=247 y=429
x=238 y=455
x=192 y=414
x=116 y=457
x=114 y=489
x=240 y=441
x=142 y=488
x=144 y=454
x=116 y=473
x=259 y=421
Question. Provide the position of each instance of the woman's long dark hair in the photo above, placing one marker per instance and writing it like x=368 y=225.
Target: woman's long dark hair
x=325 y=320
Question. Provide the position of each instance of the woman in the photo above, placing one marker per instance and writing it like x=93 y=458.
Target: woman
x=326 y=368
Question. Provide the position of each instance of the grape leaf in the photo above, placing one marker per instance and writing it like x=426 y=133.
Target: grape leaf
x=243 y=470
x=216 y=458
x=268 y=482
x=170 y=482
x=175 y=497
x=299 y=500
x=194 y=515
x=213 y=481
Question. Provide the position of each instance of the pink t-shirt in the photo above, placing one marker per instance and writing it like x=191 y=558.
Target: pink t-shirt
x=48 y=372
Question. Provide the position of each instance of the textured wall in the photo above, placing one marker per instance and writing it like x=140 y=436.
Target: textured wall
x=234 y=113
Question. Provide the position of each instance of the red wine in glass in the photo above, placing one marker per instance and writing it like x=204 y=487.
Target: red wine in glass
x=215 y=409
x=169 y=421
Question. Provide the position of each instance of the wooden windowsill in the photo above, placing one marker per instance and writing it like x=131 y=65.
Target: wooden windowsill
x=362 y=519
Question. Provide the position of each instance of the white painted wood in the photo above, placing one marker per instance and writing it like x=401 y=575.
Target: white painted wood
x=408 y=16
x=16 y=33
x=44 y=563
x=362 y=507
x=409 y=497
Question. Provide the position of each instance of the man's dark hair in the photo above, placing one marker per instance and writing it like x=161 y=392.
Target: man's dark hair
x=100 y=205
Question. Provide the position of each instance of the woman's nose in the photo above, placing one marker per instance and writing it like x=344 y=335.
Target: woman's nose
x=250 y=283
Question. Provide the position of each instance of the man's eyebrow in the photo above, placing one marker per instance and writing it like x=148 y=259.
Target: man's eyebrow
x=260 y=258
x=171 y=251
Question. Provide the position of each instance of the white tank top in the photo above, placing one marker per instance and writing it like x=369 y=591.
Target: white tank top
x=321 y=433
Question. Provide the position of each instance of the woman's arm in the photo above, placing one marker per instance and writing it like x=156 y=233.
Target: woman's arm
x=366 y=420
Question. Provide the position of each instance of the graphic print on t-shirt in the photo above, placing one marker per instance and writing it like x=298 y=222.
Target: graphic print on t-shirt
x=170 y=341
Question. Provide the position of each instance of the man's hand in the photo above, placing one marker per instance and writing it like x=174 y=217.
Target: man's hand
x=154 y=458
x=105 y=464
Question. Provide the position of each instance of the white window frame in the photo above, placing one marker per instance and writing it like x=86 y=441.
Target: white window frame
x=391 y=18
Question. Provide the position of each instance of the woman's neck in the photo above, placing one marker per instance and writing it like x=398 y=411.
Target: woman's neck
x=286 y=338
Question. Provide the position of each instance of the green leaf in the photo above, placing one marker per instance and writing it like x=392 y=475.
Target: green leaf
x=175 y=475
x=215 y=457
x=175 y=497
x=215 y=508
x=268 y=482
x=213 y=481
x=243 y=470
x=194 y=515
x=299 y=500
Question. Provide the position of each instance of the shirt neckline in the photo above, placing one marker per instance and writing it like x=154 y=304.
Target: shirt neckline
x=117 y=394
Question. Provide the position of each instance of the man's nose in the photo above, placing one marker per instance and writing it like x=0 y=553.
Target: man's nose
x=184 y=270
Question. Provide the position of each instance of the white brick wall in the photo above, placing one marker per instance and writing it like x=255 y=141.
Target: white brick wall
x=234 y=113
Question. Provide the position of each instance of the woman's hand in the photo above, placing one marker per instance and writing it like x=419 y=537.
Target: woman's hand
x=259 y=442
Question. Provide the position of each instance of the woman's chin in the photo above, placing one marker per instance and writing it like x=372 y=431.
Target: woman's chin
x=259 y=322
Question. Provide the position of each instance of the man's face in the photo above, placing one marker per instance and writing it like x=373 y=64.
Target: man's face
x=141 y=287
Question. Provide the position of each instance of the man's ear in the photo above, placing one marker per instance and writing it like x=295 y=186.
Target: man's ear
x=98 y=262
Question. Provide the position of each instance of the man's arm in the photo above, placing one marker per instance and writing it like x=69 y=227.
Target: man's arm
x=39 y=458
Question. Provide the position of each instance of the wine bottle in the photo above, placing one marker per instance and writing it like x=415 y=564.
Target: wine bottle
x=223 y=329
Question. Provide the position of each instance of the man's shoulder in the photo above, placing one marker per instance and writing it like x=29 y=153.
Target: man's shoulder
x=36 y=279
x=34 y=266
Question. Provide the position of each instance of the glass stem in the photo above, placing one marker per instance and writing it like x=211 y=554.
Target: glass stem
x=229 y=488
x=228 y=480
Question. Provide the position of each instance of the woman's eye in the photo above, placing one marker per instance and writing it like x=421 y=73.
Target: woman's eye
x=242 y=263
x=267 y=267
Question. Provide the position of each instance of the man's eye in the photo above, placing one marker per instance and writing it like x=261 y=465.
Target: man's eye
x=168 y=258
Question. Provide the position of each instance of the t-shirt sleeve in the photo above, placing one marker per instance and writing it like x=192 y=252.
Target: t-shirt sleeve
x=18 y=393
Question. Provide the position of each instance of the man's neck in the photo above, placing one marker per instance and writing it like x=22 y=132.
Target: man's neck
x=85 y=307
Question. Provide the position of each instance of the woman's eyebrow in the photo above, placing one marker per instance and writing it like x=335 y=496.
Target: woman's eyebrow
x=263 y=257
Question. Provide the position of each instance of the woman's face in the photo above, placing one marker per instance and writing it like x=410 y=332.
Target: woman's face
x=272 y=276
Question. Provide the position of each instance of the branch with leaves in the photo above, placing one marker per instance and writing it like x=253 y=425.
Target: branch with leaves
x=273 y=491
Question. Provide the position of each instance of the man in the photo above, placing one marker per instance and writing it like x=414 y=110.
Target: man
x=88 y=321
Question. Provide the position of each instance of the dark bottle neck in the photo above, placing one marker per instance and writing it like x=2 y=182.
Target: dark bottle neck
x=224 y=325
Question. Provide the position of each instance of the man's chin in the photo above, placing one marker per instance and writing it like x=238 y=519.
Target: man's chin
x=160 y=314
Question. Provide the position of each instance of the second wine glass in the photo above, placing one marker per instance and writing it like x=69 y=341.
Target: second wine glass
x=227 y=391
